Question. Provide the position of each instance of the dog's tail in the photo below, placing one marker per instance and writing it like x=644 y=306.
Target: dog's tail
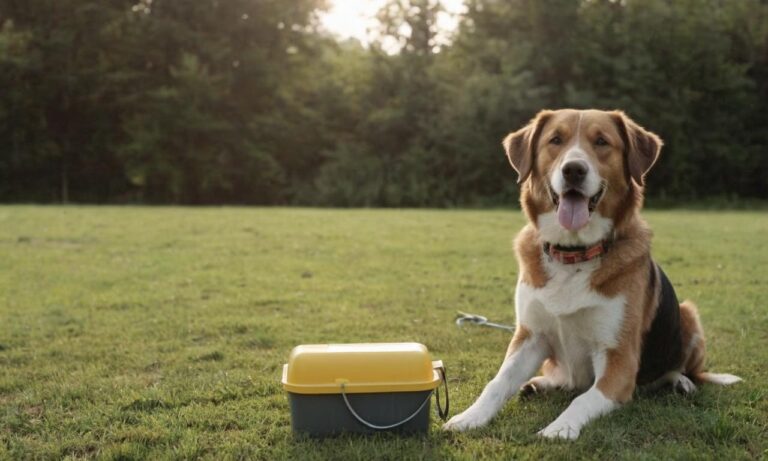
x=723 y=379
x=693 y=337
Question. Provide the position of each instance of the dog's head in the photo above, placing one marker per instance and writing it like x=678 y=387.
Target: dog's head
x=581 y=172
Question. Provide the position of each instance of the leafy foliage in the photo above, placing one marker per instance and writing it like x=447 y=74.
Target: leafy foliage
x=182 y=101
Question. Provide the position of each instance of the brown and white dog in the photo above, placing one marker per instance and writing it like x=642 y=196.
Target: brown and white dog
x=594 y=311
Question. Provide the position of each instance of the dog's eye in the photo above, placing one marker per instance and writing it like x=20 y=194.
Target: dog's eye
x=556 y=140
x=601 y=141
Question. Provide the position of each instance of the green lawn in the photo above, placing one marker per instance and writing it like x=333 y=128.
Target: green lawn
x=139 y=333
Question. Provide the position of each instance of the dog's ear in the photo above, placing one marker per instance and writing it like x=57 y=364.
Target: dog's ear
x=641 y=147
x=520 y=146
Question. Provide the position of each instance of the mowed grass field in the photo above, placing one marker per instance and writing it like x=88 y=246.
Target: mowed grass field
x=160 y=333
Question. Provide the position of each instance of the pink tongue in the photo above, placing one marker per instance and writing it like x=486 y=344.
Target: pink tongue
x=573 y=212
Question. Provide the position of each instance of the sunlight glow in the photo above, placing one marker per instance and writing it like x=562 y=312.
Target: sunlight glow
x=357 y=18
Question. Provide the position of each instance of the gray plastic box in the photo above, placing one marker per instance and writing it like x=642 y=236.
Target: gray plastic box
x=327 y=414
x=361 y=388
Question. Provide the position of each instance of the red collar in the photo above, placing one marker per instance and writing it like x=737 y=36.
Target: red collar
x=573 y=255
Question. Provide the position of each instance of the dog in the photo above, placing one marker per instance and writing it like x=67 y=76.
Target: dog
x=594 y=312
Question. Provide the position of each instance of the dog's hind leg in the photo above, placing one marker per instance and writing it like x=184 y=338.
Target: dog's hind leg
x=537 y=385
x=677 y=379
x=552 y=378
x=693 y=357
x=694 y=346
x=693 y=340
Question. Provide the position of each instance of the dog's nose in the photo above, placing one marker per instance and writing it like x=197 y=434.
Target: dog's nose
x=574 y=172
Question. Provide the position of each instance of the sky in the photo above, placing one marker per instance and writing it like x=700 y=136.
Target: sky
x=353 y=18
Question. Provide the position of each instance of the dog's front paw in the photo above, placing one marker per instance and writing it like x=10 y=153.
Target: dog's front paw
x=469 y=419
x=560 y=430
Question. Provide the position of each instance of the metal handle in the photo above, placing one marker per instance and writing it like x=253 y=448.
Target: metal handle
x=443 y=413
x=376 y=426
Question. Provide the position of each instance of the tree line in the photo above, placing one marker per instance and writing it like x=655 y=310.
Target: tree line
x=250 y=102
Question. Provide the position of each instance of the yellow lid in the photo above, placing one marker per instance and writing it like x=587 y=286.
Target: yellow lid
x=370 y=367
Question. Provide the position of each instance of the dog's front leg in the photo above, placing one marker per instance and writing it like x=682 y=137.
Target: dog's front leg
x=614 y=384
x=525 y=355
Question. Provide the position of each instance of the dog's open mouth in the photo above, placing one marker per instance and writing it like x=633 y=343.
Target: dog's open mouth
x=574 y=208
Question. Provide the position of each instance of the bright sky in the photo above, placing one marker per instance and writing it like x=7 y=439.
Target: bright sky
x=353 y=18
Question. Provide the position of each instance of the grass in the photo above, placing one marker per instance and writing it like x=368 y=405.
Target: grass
x=160 y=333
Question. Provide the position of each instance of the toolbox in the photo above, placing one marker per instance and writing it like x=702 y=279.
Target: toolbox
x=370 y=387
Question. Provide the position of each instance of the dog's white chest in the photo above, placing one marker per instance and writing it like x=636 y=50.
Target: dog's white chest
x=576 y=320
